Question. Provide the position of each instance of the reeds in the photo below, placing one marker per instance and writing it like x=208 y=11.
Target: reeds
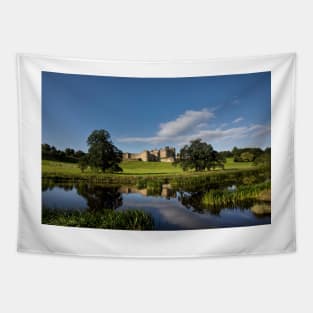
x=222 y=197
x=108 y=219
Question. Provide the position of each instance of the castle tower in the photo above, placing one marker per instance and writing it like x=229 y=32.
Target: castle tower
x=144 y=155
x=167 y=154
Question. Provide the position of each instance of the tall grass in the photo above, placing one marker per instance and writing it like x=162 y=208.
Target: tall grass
x=153 y=186
x=108 y=219
x=220 y=179
x=224 y=197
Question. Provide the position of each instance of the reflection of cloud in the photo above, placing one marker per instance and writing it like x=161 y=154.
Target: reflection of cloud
x=168 y=214
x=237 y=120
x=192 y=125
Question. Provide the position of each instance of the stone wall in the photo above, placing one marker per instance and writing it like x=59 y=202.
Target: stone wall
x=166 y=154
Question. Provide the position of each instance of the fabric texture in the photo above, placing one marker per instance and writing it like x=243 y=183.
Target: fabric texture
x=189 y=158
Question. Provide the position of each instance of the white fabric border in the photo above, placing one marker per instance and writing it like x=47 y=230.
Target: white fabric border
x=277 y=237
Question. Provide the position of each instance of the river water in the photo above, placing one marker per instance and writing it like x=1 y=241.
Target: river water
x=170 y=209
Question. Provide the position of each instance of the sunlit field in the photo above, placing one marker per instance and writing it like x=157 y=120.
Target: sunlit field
x=133 y=167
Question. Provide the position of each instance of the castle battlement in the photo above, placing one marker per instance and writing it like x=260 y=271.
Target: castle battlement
x=166 y=154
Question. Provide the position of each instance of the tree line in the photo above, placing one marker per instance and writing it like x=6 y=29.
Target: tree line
x=67 y=155
x=200 y=156
x=104 y=156
x=247 y=154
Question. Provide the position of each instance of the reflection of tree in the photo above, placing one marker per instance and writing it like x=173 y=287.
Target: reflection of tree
x=168 y=193
x=67 y=187
x=194 y=201
x=100 y=197
x=45 y=185
x=49 y=184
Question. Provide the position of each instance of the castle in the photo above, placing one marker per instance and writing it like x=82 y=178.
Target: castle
x=166 y=154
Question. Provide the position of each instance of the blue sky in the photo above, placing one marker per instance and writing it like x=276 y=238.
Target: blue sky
x=147 y=113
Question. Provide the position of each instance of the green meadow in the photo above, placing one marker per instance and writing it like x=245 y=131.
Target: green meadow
x=131 y=168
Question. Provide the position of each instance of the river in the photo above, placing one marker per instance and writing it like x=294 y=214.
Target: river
x=171 y=209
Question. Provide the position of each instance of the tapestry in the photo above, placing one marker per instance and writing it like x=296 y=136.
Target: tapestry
x=186 y=158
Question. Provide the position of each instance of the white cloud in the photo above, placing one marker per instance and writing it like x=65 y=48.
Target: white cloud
x=237 y=120
x=184 y=123
x=232 y=133
x=152 y=140
x=192 y=125
x=202 y=125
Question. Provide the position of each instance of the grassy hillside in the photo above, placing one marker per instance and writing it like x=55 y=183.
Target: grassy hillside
x=60 y=168
x=138 y=167
x=132 y=167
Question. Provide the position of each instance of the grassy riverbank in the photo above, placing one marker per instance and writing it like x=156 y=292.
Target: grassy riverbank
x=108 y=219
x=231 y=198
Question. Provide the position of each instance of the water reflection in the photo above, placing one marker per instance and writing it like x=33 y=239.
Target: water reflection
x=171 y=208
x=99 y=197
x=193 y=200
x=165 y=191
x=94 y=197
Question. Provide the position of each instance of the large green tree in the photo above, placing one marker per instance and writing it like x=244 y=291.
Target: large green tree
x=200 y=156
x=247 y=157
x=264 y=160
x=246 y=154
x=102 y=154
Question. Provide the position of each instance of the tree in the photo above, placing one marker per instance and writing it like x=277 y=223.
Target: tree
x=69 y=152
x=83 y=162
x=264 y=159
x=247 y=157
x=102 y=154
x=79 y=154
x=218 y=160
x=199 y=156
x=235 y=150
x=246 y=154
x=226 y=154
